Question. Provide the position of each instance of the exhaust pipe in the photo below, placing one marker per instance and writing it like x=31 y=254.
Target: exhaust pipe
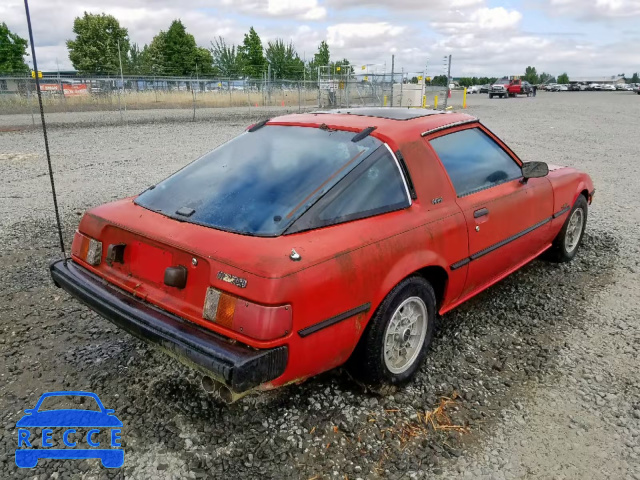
x=212 y=386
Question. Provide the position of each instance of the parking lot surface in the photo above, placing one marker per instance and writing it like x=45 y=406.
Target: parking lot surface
x=543 y=367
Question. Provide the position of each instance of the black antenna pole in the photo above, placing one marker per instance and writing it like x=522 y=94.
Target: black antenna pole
x=44 y=129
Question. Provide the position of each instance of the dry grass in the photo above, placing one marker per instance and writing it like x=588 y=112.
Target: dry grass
x=145 y=100
x=436 y=420
x=431 y=421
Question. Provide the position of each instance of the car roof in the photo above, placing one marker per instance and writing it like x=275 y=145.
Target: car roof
x=382 y=112
x=400 y=124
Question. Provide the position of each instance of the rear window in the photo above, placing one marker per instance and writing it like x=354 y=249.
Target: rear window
x=260 y=182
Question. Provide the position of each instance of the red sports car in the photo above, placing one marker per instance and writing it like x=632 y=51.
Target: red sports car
x=314 y=240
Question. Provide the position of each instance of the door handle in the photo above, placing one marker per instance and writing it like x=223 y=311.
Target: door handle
x=481 y=213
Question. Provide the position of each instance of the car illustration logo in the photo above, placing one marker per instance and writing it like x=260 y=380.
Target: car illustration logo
x=70 y=429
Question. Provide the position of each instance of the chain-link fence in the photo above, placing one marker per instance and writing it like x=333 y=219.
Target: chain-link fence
x=380 y=92
x=114 y=99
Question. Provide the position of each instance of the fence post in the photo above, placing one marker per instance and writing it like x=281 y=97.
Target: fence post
x=33 y=120
x=193 y=94
x=435 y=102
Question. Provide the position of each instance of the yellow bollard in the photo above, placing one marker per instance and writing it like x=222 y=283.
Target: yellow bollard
x=424 y=101
x=384 y=102
x=464 y=99
x=435 y=102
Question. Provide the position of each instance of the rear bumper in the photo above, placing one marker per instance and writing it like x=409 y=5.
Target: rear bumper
x=239 y=368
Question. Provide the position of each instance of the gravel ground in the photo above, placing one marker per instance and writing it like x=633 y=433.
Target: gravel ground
x=543 y=366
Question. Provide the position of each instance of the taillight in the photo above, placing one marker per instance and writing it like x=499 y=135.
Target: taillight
x=87 y=249
x=250 y=319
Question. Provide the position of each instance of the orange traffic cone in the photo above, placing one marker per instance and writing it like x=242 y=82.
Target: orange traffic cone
x=283 y=103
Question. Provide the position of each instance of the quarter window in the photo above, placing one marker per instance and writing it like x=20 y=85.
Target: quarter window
x=376 y=186
x=474 y=161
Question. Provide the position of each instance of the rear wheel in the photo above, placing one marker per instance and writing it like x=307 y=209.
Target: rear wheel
x=565 y=246
x=491 y=95
x=397 y=338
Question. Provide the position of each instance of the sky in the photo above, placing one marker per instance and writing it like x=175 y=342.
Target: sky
x=484 y=37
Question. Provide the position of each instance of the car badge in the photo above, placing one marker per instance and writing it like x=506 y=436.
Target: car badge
x=237 y=281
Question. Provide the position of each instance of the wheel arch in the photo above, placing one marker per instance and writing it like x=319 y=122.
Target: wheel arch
x=431 y=268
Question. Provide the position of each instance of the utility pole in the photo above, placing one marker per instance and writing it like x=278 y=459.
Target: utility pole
x=393 y=58
x=269 y=81
x=121 y=79
x=59 y=81
x=401 y=83
x=448 y=84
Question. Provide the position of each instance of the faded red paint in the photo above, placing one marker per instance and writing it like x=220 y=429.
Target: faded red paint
x=342 y=266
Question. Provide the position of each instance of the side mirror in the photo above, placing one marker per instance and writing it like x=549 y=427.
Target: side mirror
x=534 y=170
x=29 y=411
x=109 y=411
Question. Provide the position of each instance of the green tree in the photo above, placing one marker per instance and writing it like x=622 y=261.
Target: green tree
x=175 y=52
x=13 y=49
x=531 y=76
x=204 y=61
x=546 y=78
x=153 y=55
x=180 y=53
x=563 y=78
x=346 y=68
x=439 y=80
x=284 y=60
x=135 y=61
x=322 y=57
x=635 y=78
x=226 y=61
x=251 y=55
x=95 y=48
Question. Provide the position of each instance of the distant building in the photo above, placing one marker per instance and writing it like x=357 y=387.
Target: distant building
x=599 y=80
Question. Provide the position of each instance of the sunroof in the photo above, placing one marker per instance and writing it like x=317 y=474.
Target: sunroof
x=381 y=112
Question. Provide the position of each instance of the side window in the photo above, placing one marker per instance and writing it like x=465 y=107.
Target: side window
x=374 y=187
x=474 y=161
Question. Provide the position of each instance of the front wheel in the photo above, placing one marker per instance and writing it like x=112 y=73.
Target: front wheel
x=398 y=335
x=565 y=246
x=490 y=95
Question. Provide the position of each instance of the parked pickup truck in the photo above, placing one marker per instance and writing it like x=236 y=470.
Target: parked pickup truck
x=499 y=88
x=519 y=87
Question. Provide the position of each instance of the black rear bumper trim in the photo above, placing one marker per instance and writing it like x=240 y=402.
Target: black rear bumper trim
x=240 y=368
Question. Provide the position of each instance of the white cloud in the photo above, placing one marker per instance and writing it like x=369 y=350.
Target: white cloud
x=306 y=9
x=360 y=34
x=482 y=40
x=478 y=22
x=413 y=5
x=594 y=9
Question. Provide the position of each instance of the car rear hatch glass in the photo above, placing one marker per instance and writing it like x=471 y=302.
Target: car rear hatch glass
x=260 y=182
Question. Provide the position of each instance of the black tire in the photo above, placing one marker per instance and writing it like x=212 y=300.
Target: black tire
x=368 y=360
x=491 y=95
x=559 y=251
